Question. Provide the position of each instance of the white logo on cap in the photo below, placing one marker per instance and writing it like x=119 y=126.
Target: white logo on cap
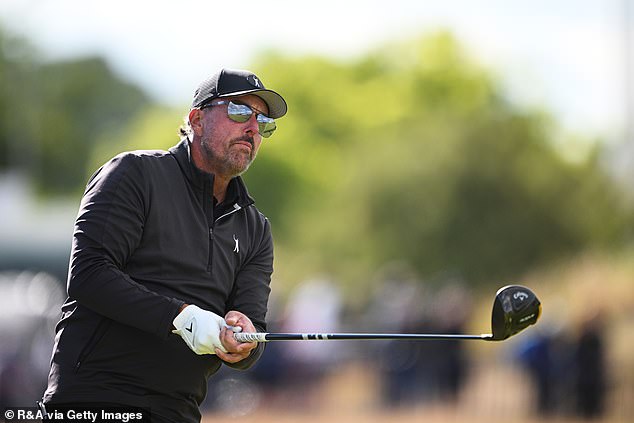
x=255 y=81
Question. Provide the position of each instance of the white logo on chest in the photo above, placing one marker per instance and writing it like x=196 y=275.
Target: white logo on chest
x=236 y=249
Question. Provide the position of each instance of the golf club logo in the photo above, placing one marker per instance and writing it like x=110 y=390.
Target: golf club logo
x=520 y=295
x=236 y=249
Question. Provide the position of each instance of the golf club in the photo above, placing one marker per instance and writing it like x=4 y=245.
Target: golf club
x=514 y=309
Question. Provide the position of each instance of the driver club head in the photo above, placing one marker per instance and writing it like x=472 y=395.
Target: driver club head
x=514 y=309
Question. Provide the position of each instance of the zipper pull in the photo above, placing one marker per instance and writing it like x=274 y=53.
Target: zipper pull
x=211 y=233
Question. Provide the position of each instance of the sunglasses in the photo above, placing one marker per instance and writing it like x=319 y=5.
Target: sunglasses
x=241 y=113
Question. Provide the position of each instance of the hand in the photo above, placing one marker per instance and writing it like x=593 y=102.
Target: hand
x=235 y=351
x=200 y=329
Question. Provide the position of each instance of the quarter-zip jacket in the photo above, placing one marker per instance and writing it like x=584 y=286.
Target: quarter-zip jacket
x=145 y=243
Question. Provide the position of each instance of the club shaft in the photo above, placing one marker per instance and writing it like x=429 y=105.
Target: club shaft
x=267 y=337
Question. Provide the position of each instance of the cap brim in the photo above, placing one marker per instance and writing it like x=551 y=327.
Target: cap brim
x=275 y=102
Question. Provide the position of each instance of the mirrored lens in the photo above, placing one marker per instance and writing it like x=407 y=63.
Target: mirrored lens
x=241 y=113
x=266 y=126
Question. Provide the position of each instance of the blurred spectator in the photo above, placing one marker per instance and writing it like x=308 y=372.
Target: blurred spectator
x=29 y=304
x=536 y=354
x=411 y=371
x=314 y=307
x=396 y=306
x=269 y=373
x=590 y=369
x=449 y=312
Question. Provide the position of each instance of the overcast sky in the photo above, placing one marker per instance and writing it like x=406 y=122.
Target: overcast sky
x=567 y=54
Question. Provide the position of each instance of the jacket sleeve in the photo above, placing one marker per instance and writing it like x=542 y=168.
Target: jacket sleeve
x=251 y=291
x=107 y=231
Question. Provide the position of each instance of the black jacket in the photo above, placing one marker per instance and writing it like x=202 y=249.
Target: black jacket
x=146 y=241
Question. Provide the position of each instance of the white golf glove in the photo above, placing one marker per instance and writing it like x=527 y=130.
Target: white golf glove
x=200 y=329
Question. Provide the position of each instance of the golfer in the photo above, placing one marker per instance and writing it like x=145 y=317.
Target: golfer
x=169 y=257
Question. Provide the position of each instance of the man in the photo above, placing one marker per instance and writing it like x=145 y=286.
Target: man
x=169 y=257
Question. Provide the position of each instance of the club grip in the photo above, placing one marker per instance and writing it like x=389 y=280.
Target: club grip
x=250 y=337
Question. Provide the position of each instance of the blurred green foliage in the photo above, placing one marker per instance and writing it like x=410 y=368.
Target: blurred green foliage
x=413 y=154
x=410 y=153
x=54 y=113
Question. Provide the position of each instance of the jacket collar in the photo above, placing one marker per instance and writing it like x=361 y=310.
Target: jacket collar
x=202 y=180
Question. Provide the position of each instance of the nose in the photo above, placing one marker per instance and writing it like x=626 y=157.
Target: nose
x=251 y=125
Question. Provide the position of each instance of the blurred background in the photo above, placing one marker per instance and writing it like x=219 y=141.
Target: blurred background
x=433 y=152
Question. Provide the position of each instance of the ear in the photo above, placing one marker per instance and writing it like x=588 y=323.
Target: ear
x=195 y=121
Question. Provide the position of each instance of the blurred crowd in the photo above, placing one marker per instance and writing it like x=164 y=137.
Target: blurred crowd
x=29 y=308
x=567 y=370
x=568 y=373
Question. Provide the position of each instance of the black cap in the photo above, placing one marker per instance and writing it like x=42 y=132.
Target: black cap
x=232 y=82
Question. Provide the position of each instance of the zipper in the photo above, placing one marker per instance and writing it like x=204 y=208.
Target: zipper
x=94 y=339
x=211 y=248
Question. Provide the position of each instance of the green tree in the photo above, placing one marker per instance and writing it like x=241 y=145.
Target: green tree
x=16 y=75
x=56 y=112
x=78 y=102
x=412 y=153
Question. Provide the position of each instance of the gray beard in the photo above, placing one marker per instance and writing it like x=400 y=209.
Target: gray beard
x=226 y=167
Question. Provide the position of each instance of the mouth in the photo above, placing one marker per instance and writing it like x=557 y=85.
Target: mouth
x=247 y=142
